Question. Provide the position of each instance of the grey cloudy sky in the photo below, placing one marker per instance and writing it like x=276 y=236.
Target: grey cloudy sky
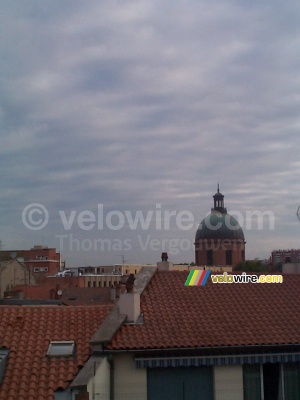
x=134 y=104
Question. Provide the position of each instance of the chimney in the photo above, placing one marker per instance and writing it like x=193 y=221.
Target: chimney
x=129 y=301
x=129 y=304
x=113 y=293
x=20 y=294
x=164 y=264
x=122 y=288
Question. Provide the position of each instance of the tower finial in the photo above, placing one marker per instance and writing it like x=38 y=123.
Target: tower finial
x=218 y=188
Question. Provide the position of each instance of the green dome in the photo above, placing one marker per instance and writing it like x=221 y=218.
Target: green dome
x=219 y=225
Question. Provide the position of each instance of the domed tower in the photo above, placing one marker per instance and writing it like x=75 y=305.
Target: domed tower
x=219 y=239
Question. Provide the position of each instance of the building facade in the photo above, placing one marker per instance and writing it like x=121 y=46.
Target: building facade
x=40 y=261
x=13 y=273
x=285 y=256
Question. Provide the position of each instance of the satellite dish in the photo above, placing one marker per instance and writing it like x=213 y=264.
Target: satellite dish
x=59 y=292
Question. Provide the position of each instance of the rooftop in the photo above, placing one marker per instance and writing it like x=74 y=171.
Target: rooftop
x=214 y=315
x=87 y=296
x=27 y=332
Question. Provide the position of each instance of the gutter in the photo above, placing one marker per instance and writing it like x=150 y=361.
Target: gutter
x=111 y=362
x=218 y=348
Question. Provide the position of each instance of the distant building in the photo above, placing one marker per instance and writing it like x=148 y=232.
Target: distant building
x=285 y=256
x=108 y=275
x=117 y=269
x=13 y=273
x=75 y=296
x=101 y=270
x=219 y=239
x=39 y=260
x=64 y=293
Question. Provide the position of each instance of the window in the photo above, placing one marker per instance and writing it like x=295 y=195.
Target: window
x=209 y=256
x=272 y=381
x=40 y=269
x=291 y=376
x=228 y=257
x=63 y=348
x=72 y=298
x=252 y=384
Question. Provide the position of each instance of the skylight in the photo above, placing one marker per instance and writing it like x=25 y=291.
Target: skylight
x=61 y=348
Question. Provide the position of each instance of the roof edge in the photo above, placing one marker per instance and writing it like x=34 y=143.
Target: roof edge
x=143 y=278
x=109 y=327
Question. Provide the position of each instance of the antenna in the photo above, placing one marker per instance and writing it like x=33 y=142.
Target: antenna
x=123 y=262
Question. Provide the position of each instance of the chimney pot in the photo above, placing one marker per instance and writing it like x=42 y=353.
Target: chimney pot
x=164 y=257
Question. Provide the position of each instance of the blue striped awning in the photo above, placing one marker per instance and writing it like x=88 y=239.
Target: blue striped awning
x=164 y=362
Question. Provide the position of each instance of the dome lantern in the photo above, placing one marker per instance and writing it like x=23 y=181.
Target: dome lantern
x=219 y=202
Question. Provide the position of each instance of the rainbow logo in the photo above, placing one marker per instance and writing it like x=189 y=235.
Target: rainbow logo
x=197 y=278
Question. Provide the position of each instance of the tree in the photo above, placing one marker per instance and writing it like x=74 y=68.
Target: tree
x=251 y=266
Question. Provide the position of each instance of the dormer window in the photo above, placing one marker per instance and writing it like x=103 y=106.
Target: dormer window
x=61 y=348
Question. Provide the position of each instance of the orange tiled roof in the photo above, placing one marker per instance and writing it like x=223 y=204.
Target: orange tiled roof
x=26 y=332
x=178 y=316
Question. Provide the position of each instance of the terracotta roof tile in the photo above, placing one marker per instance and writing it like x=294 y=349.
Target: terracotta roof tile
x=213 y=315
x=27 y=331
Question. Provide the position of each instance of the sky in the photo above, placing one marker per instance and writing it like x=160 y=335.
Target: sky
x=117 y=110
